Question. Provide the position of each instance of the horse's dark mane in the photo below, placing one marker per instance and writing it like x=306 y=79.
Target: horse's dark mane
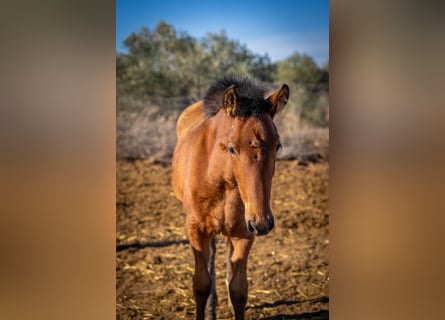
x=250 y=92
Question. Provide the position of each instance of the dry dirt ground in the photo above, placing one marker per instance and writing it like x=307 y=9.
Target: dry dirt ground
x=288 y=270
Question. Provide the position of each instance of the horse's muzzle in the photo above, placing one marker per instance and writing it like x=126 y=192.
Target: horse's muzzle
x=261 y=231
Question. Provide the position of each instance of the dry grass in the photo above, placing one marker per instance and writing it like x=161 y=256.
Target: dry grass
x=146 y=134
x=150 y=133
x=300 y=140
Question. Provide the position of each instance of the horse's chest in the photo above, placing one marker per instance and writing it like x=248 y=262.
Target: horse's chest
x=226 y=212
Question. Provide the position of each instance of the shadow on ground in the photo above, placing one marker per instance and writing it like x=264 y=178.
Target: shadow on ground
x=138 y=245
x=318 y=315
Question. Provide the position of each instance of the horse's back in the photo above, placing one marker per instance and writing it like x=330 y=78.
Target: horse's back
x=189 y=119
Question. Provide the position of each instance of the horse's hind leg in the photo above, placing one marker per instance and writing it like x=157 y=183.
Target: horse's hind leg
x=237 y=254
x=213 y=300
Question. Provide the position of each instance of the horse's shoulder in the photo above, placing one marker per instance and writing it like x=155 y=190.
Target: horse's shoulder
x=189 y=119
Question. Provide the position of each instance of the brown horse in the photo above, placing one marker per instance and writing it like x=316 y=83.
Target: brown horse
x=222 y=171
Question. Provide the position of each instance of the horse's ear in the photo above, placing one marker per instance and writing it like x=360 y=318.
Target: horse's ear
x=278 y=99
x=230 y=101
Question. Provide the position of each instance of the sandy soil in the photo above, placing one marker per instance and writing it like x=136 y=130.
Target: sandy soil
x=288 y=269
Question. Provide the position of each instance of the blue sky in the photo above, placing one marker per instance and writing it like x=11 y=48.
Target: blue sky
x=275 y=27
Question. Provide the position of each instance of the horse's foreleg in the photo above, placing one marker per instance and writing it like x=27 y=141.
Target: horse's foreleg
x=202 y=282
x=229 y=253
x=237 y=254
x=213 y=301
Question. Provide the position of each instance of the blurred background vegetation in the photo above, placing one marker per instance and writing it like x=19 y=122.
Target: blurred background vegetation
x=164 y=71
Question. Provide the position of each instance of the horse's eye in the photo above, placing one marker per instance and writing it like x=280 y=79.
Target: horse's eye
x=279 y=147
x=232 y=151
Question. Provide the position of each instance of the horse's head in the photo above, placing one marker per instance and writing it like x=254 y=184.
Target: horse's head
x=252 y=142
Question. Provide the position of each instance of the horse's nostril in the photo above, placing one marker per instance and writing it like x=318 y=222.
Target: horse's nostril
x=251 y=227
